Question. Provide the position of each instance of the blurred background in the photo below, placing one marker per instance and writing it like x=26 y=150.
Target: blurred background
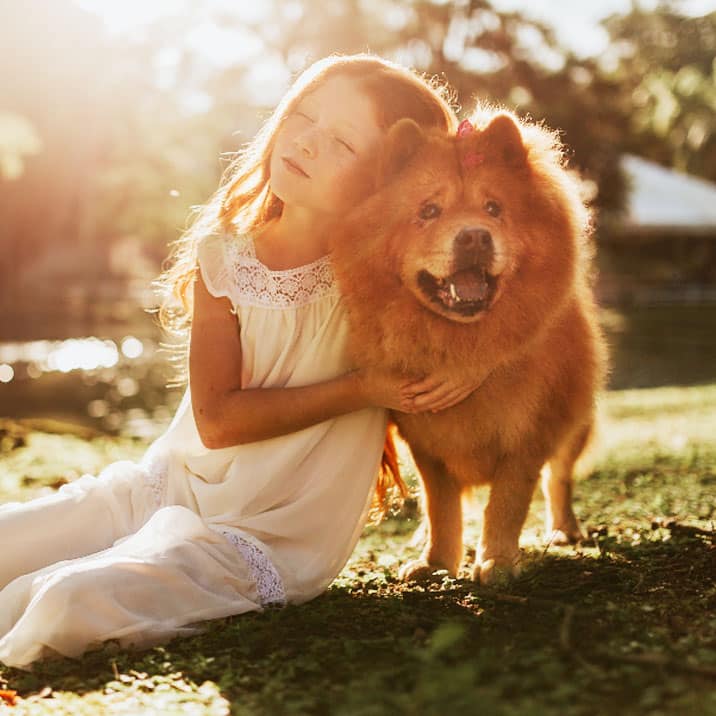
x=116 y=117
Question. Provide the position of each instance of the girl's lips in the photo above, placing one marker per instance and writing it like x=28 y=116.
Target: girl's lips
x=294 y=167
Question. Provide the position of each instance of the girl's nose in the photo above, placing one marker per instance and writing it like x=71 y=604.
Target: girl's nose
x=307 y=143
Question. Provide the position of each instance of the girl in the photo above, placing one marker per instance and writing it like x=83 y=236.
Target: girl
x=258 y=490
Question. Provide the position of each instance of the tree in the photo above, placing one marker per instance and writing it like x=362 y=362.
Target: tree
x=667 y=68
x=127 y=149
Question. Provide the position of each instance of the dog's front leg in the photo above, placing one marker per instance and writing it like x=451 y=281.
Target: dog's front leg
x=498 y=553
x=442 y=502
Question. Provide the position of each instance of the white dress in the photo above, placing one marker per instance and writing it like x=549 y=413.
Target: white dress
x=145 y=551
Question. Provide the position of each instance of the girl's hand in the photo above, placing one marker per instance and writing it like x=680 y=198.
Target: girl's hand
x=438 y=392
x=385 y=390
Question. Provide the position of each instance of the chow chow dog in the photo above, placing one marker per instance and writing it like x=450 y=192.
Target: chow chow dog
x=469 y=254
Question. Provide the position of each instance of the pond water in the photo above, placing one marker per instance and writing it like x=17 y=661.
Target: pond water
x=117 y=379
x=652 y=346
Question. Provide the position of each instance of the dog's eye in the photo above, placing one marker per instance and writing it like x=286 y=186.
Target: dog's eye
x=493 y=208
x=430 y=211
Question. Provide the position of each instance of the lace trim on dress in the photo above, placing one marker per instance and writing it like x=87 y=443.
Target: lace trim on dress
x=269 y=584
x=257 y=285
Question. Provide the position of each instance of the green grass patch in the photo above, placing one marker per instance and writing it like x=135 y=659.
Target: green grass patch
x=624 y=624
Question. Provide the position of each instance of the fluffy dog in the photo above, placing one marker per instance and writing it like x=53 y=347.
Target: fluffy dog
x=473 y=258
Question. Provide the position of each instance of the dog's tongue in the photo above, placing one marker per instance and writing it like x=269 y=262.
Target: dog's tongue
x=470 y=284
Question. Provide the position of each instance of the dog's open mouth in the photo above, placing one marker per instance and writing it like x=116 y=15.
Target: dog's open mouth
x=464 y=292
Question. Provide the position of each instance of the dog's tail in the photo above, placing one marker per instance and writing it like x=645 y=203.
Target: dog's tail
x=389 y=479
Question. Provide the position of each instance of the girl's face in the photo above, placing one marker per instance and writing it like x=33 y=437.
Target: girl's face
x=320 y=144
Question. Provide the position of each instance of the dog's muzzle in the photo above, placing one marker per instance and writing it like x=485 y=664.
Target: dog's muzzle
x=470 y=288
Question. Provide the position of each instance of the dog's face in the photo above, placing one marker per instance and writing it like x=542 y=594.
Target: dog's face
x=466 y=216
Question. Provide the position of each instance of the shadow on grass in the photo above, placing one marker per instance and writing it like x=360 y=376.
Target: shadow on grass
x=625 y=626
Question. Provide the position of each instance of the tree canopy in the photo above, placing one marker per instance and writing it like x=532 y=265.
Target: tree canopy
x=124 y=132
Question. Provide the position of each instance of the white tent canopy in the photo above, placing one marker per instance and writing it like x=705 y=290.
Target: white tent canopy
x=662 y=198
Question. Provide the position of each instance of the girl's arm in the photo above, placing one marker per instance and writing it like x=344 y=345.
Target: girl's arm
x=226 y=415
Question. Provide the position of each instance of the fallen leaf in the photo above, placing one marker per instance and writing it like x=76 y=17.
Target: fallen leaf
x=8 y=696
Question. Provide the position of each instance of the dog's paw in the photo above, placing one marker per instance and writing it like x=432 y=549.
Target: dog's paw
x=419 y=570
x=496 y=572
x=561 y=537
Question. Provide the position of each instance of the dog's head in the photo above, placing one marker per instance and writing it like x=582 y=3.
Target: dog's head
x=459 y=219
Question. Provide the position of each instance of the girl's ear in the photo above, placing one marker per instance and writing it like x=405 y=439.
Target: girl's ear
x=502 y=139
x=402 y=141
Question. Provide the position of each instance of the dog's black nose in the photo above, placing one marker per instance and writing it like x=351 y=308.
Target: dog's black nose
x=473 y=238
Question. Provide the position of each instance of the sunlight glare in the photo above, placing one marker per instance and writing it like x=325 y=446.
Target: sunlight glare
x=575 y=24
x=123 y=15
x=132 y=347
x=87 y=354
x=6 y=373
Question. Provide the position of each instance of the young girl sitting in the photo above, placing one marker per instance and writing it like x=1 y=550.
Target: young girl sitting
x=258 y=491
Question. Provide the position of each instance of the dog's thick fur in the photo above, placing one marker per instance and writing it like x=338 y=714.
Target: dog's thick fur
x=472 y=259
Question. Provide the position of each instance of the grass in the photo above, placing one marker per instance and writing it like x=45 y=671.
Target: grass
x=625 y=624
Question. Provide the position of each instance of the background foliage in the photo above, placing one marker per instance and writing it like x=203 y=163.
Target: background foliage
x=110 y=135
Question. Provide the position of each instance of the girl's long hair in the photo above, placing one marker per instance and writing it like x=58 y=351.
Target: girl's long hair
x=244 y=202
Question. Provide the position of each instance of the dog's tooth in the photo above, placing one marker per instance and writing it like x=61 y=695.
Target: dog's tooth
x=453 y=291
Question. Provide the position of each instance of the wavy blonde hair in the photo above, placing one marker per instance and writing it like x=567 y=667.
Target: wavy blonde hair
x=244 y=202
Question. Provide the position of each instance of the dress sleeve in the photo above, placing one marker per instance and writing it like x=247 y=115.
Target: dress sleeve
x=214 y=264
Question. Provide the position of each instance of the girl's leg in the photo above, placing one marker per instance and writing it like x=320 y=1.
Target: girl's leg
x=82 y=517
x=149 y=587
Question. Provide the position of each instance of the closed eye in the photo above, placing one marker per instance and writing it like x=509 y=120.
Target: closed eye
x=337 y=139
x=345 y=144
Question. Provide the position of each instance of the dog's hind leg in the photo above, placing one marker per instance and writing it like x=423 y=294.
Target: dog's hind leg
x=561 y=525
x=442 y=502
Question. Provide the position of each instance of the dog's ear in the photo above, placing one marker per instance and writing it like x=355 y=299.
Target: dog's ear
x=402 y=141
x=502 y=140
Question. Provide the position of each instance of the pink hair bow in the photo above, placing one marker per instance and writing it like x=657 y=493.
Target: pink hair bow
x=469 y=159
x=464 y=128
